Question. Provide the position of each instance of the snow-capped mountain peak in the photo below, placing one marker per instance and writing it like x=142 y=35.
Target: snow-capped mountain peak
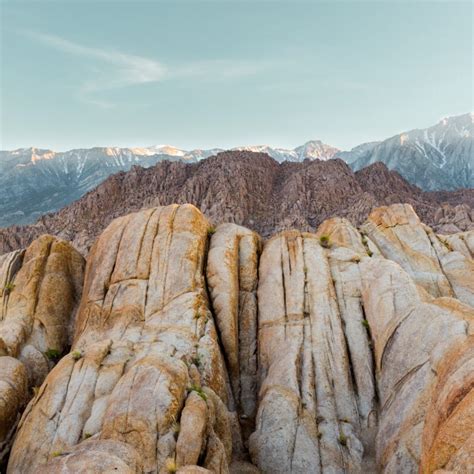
x=438 y=157
x=313 y=149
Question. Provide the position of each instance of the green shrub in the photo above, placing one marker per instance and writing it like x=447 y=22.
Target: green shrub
x=76 y=355
x=342 y=439
x=211 y=230
x=196 y=360
x=325 y=241
x=87 y=435
x=199 y=391
x=370 y=253
x=170 y=466
x=53 y=354
x=365 y=323
x=55 y=454
x=9 y=287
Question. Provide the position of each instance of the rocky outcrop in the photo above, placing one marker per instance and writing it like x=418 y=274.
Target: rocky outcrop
x=232 y=276
x=249 y=189
x=400 y=236
x=145 y=368
x=40 y=290
x=308 y=416
x=202 y=349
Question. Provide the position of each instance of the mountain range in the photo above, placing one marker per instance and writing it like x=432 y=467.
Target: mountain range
x=34 y=181
x=250 y=189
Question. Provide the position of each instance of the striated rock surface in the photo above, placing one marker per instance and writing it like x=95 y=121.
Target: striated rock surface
x=201 y=349
x=232 y=276
x=40 y=289
x=400 y=236
x=249 y=189
x=145 y=368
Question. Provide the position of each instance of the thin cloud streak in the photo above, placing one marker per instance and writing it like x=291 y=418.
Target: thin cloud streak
x=128 y=70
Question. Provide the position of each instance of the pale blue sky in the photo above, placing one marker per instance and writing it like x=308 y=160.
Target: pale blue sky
x=224 y=73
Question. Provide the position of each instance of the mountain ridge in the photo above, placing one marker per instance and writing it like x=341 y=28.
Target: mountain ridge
x=250 y=189
x=35 y=181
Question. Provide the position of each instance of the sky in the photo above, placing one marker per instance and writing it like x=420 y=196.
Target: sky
x=226 y=73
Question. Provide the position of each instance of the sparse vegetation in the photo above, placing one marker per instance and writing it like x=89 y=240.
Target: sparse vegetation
x=170 y=466
x=199 y=391
x=446 y=244
x=342 y=439
x=176 y=427
x=87 y=435
x=365 y=243
x=324 y=241
x=9 y=287
x=53 y=354
x=365 y=323
x=355 y=259
x=196 y=360
x=55 y=454
x=76 y=355
x=320 y=435
x=35 y=391
x=211 y=230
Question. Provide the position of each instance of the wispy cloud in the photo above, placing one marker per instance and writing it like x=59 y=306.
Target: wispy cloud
x=118 y=69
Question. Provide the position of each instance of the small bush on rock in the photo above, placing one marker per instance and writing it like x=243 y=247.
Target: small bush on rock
x=199 y=391
x=325 y=241
x=170 y=466
x=53 y=354
x=342 y=439
x=76 y=355
x=9 y=287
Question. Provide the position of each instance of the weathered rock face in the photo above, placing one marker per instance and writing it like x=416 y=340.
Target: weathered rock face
x=40 y=290
x=308 y=415
x=146 y=369
x=232 y=279
x=206 y=350
x=400 y=236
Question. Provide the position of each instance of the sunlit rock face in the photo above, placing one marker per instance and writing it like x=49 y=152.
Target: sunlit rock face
x=201 y=349
x=40 y=290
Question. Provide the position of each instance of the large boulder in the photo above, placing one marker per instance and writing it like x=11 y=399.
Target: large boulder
x=232 y=277
x=413 y=335
x=200 y=349
x=400 y=236
x=40 y=290
x=145 y=347
x=308 y=418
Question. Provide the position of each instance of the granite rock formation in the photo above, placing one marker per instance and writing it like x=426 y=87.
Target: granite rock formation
x=207 y=349
x=40 y=290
